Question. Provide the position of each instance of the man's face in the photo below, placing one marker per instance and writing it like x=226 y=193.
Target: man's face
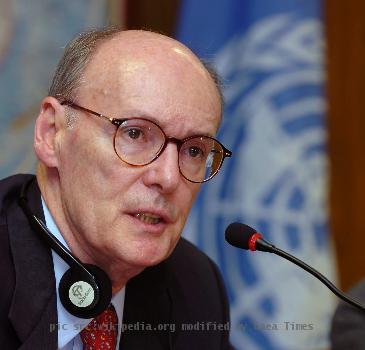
x=110 y=206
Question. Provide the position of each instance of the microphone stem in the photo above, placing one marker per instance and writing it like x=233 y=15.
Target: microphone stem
x=318 y=275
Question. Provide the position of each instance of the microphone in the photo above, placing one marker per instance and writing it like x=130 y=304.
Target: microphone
x=245 y=237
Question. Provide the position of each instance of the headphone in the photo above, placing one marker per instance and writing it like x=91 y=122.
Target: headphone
x=85 y=290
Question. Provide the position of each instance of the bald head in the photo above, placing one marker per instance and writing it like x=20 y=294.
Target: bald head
x=131 y=44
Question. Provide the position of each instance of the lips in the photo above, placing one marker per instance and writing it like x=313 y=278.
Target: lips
x=152 y=217
x=148 y=218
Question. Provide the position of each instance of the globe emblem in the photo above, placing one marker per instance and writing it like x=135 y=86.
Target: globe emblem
x=274 y=124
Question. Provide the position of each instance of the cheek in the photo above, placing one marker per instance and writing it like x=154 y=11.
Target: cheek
x=186 y=199
x=90 y=174
x=88 y=156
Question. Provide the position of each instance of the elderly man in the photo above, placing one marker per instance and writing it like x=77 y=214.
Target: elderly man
x=124 y=141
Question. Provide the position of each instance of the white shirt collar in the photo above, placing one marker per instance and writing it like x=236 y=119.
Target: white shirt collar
x=70 y=326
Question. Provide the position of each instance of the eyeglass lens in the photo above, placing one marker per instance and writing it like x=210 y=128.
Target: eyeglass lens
x=139 y=142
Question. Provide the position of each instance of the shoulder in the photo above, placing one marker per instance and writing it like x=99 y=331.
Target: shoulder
x=188 y=273
x=348 y=323
x=185 y=248
x=193 y=276
x=13 y=183
x=186 y=291
x=190 y=260
x=199 y=295
x=186 y=265
x=10 y=188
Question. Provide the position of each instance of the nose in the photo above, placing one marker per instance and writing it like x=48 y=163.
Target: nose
x=163 y=173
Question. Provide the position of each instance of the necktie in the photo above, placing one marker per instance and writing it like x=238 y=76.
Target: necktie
x=101 y=333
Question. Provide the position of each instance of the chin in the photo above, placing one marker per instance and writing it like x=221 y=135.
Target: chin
x=150 y=256
x=138 y=251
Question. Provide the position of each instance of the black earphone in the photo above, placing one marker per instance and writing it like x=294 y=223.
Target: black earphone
x=85 y=290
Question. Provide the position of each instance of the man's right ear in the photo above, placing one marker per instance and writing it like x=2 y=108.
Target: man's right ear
x=46 y=128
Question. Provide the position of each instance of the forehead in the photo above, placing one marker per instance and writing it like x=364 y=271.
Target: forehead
x=145 y=74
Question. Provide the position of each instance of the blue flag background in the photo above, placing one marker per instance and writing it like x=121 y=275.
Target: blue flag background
x=270 y=56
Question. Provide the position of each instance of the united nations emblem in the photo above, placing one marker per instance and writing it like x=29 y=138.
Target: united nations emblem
x=276 y=182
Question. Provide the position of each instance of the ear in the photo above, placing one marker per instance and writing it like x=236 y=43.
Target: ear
x=46 y=127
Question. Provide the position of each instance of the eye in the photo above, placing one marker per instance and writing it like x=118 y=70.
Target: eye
x=134 y=133
x=195 y=151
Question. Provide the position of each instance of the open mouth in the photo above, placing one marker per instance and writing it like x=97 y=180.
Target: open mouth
x=148 y=218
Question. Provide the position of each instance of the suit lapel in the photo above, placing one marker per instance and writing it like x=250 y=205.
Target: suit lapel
x=147 y=307
x=33 y=307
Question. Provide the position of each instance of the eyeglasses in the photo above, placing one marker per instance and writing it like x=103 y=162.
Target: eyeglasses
x=139 y=141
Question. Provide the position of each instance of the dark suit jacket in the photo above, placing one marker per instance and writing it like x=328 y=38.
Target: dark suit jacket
x=185 y=291
x=348 y=323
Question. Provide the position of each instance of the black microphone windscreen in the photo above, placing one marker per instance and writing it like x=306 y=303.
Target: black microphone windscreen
x=239 y=235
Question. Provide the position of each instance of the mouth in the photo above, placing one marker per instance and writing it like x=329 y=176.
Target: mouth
x=148 y=218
